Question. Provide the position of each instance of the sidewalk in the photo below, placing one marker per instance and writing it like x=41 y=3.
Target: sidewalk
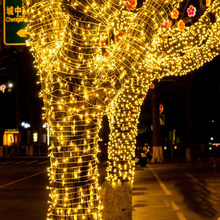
x=153 y=199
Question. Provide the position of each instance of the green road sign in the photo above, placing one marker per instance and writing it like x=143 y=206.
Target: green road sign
x=15 y=21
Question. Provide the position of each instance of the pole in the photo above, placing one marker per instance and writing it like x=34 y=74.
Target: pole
x=157 y=148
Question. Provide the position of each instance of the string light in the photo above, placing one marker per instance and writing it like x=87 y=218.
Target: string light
x=96 y=55
x=173 y=52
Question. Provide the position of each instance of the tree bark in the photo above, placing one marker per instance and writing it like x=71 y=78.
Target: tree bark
x=74 y=189
x=117 y=201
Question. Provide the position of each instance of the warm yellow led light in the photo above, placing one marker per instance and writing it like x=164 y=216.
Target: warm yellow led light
x=90 y=58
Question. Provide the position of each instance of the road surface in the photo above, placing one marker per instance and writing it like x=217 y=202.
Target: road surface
x=161 y=191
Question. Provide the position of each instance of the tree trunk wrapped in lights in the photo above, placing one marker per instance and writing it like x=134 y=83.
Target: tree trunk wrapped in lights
x=177 y=55
x=76 y=86
x=78 y=82
x=123 y=120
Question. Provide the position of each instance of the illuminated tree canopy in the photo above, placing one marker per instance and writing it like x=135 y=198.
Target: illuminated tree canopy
x=94 y=54
x=173 y=52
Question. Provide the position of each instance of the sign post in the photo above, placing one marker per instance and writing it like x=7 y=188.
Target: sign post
x=15 y=22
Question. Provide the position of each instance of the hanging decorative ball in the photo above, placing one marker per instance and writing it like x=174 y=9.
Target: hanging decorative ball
x=191 y=11
x=166 y=24
x=118 y=36
x=131 y=4
x=152 y=86
x=175 y=14
x=106 y=54
x=102 y=42
x=181 y=25
x=208 y=3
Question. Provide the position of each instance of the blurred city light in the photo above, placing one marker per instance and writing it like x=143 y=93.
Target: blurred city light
x=35 y=137
x=3 y=87
x=25 y=125
x=10 y=85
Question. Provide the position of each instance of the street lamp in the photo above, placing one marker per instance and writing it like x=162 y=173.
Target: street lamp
x=48 y=133
x=25 y=125
x=10 y=85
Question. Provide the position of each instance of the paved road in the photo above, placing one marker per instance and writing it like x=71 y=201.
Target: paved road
x=177 y=192
x=23 y=194
x=161 y=192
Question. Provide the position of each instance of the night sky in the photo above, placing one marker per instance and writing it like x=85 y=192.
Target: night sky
x=23 y=102
x=203 y=87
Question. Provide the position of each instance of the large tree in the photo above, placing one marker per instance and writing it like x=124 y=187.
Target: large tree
x=79 y=79
x=187 y=39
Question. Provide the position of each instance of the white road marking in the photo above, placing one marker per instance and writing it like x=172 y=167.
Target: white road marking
x=179 y=213
x=167 y=192
x=20 y=162
x=19 y=180
x=197 y=180
x=6 y=162
x=149 y=194
x=32 y=162
x=181 y=216
x=46 y=161
x=174 y=205
x=167 y=203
